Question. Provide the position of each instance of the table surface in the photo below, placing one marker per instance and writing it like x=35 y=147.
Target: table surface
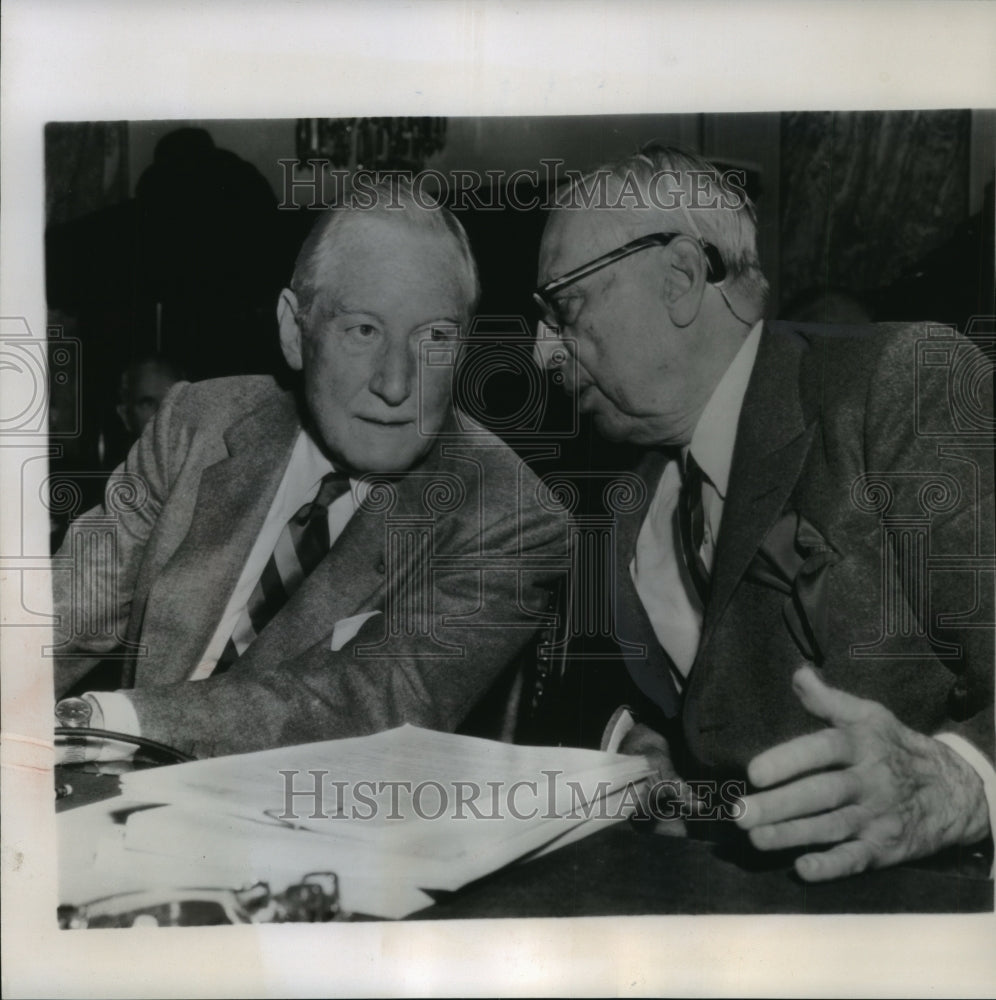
x=621 y=870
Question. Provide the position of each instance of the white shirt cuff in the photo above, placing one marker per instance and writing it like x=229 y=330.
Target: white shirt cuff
x=981 y=765
x=119 y=716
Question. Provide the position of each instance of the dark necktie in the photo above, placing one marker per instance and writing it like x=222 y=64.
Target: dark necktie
x=691 y=527
x=302 y=545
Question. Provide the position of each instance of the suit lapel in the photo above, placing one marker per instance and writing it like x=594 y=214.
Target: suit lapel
x=341 y=585
x=347 y=581
x=773 y=439
x=188 y=599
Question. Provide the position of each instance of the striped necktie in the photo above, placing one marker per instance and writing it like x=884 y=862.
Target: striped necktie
x=691 y=527
x=302 y=545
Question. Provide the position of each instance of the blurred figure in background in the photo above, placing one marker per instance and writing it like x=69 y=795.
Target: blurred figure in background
x=141 y=389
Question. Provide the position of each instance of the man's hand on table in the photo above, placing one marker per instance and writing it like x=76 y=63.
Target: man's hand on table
x=877 y=790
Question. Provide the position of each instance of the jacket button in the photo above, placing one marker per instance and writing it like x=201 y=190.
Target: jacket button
x=381 y=568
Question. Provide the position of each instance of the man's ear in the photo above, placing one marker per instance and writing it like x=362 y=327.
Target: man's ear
x=290 y=329
x=686 y=281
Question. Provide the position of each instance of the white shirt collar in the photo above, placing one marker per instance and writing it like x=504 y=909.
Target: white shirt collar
x=309 y=464
x=716 y=432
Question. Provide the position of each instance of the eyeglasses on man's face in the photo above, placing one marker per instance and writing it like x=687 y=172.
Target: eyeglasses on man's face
x=544 y=295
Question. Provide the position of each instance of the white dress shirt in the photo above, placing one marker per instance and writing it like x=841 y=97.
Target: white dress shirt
x=658 y=573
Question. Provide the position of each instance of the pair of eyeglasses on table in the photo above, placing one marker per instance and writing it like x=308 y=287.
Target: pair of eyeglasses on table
x=313 y=899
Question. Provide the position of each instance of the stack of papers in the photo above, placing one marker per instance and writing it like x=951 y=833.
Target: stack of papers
x=395 y=815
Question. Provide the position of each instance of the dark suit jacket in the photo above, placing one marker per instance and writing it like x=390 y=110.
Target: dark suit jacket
x=211 y=462
x=881 y=438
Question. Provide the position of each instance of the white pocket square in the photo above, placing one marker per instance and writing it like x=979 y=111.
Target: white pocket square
x=346 y=628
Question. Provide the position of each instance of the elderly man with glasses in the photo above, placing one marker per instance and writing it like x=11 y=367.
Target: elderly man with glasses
x=805 y=596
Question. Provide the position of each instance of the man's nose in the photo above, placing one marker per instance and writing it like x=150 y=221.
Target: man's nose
x=394 y=375
x=549 y=351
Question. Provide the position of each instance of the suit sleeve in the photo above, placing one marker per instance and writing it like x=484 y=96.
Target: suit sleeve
x=97 y=567
x=485 y=608
x=933 y=436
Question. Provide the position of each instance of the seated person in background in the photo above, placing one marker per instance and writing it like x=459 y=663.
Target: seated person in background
x=795 y=636
x=309 y=565
x=141 y=390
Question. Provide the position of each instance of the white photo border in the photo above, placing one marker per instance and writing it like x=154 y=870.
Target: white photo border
x=108 y=60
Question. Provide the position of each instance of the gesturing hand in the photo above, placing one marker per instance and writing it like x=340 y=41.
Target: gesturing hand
x=876 y=789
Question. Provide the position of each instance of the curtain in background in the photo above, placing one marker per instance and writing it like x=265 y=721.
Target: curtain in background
x=865 y=195
x=86 y=168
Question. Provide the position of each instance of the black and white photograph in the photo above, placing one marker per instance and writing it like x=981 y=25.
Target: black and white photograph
x=561 y=530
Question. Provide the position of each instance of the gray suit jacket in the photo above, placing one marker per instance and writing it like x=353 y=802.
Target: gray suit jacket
x=877 y=439
x=462 y=585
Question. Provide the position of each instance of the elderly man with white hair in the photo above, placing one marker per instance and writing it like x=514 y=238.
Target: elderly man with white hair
x=805 y=596
x=323 y=561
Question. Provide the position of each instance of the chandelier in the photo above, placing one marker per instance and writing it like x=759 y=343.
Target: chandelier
x=375 y=144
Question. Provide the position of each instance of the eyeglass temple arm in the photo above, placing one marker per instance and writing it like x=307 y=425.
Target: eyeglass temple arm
x=634 y=246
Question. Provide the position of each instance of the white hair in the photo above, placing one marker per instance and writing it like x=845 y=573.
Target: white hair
x=696 y=198
x=387 y=200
